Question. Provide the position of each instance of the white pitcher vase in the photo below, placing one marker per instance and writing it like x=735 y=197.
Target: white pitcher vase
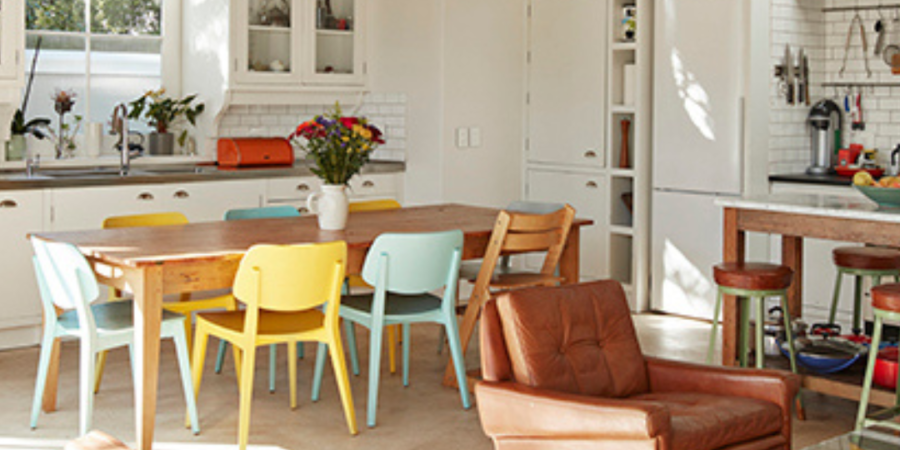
x=331 y=205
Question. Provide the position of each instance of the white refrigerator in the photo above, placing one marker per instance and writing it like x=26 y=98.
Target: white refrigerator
x=697 y=146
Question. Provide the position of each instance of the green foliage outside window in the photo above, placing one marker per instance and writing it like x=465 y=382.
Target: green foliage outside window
x=128 y=17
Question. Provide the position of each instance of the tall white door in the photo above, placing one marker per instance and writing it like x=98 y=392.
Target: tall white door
x=698 y=84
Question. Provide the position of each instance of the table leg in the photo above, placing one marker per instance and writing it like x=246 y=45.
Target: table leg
x=733 y=251
x=148 y=296
x=792 y=256
x=569 y=261
x=48 y=404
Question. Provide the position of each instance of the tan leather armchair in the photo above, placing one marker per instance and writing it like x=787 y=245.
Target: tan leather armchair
x=563 y=369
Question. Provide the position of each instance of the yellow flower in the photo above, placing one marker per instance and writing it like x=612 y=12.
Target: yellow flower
x=366 y=134
x=345 y=139
x=365 y=147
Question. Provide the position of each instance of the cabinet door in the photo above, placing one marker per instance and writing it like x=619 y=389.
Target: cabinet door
x=585 y=193
x=266 y=41
x=12 y=28
x=335 y=45
x=566 y=81
x=206 y=202
x=21 y=212
x=87 y=208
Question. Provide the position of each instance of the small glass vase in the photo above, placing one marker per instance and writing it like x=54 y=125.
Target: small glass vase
x=15 y=147
x=331 y=205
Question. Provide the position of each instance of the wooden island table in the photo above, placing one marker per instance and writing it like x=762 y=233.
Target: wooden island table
x=153 y=262
x=795 y=217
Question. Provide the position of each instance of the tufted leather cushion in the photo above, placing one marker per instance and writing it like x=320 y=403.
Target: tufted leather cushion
x=886 y=297
x=867 y=258
x=577 y=339
x=708 y=422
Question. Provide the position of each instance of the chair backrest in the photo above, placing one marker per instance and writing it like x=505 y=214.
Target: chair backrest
x=529 y=207
x=291 y=277
x=374 y=205
x=146 y=220
x=268 y=212
x=414 y=263
x=516 y=232
x=586 y=345
x=65 y=279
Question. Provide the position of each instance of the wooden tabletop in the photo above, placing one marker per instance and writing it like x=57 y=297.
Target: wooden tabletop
x=137 y=247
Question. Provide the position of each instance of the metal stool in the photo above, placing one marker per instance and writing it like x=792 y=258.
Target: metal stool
x=873 y=262
x=886 y=305
x=747 y=281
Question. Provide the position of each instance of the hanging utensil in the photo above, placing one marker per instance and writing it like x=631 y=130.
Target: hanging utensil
x=788 y=67
x=893 y=43
x=880 y=28
x=856 y=23
x=803 y=78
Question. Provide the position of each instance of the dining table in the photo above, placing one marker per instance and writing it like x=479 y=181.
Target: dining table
x=157 y=261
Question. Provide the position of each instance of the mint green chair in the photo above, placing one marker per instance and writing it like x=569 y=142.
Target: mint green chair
x=404 y=269
x=268 y=212
x=66 y=281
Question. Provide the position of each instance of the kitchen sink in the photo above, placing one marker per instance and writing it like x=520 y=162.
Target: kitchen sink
x=177 y=170
x=97 y=172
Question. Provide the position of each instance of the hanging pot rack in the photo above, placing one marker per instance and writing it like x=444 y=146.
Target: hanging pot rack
x=861 y=8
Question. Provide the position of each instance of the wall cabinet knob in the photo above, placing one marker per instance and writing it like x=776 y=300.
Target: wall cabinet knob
x=8 y=204
x=182 y=194
x=145 y=196
x=368 y=184
x=303 y=187
x=303 y=210
x=591 y=185
x=590 y=154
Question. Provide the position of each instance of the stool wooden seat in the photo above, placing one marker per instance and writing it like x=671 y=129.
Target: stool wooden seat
x=753 y=276
x=867 y=258
x=96 y=440
x=885 y=306
x=886 y=297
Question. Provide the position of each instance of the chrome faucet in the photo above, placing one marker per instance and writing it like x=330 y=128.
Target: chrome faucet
x=120 y=125
x=32 y=164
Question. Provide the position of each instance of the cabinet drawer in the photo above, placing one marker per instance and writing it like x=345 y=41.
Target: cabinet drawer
x=21 y=212
x=373 y=185
x=280 y=189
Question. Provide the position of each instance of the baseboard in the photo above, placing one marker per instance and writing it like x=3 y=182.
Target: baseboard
x=19 y=337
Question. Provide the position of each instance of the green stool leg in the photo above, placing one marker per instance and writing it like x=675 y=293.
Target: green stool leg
x=857 y=304
x=715 y=324
x=789 y=332
x=870 y=371
x=837 y=295
x=745 y=330
x=760 y=313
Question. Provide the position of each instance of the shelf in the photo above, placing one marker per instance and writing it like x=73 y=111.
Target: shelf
x=845 y=384
x=622 y=173
x=622 y=109
x=624 y=46
x=270 y=29
x=342 y=33
x=621 y=230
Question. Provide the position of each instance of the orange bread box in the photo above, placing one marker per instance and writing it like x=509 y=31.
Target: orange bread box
x=245 y=152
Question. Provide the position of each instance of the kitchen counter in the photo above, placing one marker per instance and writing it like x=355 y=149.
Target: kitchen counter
x=803 y=178
x=834 y=206
x=162 y=174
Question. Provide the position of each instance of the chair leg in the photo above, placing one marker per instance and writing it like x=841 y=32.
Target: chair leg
x=184 y=366
x=374 y=371
x=43 y=368
x=836 y=297
x=760 y=318
x=392 y=347
x=350 y=329
x=220 y=356
x=201 y=338
x=292 y=372
x=343 y=380
x=188 y=332
x=870 y=372
x=88 y=360
x=744 y=303
x=715 y=325
x=406 y=345
x=101 y=364
x=273 y=366
x=317 y=373
x=441 y=339
x=301 y=353
x=857 y=305
x=459 y=364
x=247 y=366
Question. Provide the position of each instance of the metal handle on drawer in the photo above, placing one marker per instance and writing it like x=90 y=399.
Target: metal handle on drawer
x=303 y=187
x=303 y=210
x=8 y=204
x=368 y=184
x=145 y=196
x=590 y=154
x=591 y=184
x=182 y=194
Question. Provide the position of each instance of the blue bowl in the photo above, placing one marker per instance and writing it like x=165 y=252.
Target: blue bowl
x=821 y=364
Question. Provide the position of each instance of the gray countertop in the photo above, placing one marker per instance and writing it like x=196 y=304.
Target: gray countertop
x=162 y=174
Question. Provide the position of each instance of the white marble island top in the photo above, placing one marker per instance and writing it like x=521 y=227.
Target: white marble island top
x=839 y=206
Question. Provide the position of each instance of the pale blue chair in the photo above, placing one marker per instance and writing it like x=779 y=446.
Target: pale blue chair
x=268 y=212
x=404 y=269
x=66 y=281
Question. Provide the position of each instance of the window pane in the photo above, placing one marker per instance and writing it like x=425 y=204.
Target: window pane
x=132 y=17
x=55 y=15
x=60 y=54
x=109 y=90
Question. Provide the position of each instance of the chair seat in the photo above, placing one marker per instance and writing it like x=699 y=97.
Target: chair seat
x=271 y=323
x=707 y=422
x=753 y=276
x=886 y=297
x=396 y=304
x=867 y=258
x=468 y=270
x=111 y=316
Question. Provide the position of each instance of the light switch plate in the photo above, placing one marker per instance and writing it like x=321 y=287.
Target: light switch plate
x=462 y=138
x=475 y=137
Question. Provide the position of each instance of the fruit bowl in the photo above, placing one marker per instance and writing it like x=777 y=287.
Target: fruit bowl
x=884 y=196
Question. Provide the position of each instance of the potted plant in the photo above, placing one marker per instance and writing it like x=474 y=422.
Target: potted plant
x=19 y=128
x=163 y=113
x=338 y=147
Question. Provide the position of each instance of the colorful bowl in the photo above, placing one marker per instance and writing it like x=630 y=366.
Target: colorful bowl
x=887 y=197
x=886 y=368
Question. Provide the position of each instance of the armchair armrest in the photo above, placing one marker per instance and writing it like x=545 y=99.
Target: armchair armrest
x=509 y=409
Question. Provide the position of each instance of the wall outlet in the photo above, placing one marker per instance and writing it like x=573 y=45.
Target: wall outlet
x=475 y=137
x=462 y=138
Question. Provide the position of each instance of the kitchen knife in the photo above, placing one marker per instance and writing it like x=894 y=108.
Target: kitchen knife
x=788 y=65
x=805 y=75
x=801 y=78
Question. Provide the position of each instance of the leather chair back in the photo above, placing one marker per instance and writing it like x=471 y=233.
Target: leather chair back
x=576 y=339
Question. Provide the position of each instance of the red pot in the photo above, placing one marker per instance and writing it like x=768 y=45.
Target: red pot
x=886 y=368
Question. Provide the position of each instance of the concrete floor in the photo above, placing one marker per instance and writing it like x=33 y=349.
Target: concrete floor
x=424 y=415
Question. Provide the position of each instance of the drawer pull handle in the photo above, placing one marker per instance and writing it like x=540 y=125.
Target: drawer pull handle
x=303 y=210
x=591 y=184
x=590 y=154
x=146 y=196
x=8 y=204
x=303 y=187
x=182 y=194
x=368 y=184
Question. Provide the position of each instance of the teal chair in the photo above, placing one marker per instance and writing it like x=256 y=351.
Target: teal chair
x=268 y=212
x=66 y=281
x=404 y=269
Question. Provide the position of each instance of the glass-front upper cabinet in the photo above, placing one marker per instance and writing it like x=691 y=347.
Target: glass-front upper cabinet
x=12 y=25
x=337 y=46
x=267 y=32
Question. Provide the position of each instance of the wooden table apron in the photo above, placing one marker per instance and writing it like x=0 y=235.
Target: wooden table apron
x=152 y=263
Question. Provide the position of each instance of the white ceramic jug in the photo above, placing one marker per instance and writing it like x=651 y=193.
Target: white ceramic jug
x=331 y=206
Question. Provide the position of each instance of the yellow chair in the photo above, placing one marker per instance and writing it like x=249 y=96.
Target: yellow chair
x=185 y=306
x=356 y=281
x=282 y=288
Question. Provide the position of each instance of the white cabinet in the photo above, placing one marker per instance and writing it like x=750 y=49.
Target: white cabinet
x=205 y=202
x=295 y=190
x=21 y=212
x=12 y=30
x=584 y=192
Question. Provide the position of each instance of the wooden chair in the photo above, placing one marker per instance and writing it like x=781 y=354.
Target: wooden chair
x=185 y=306
x=292 y=294
x=516 y=233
